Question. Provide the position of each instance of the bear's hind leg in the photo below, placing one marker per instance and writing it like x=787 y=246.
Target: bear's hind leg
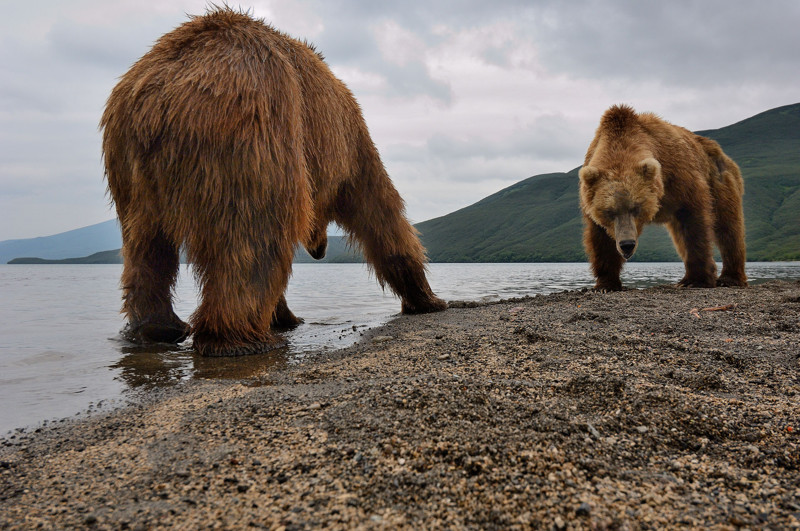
x=605 y=260
x=691 y=234
x=243 y=262
x=372 y=213
x=150 y=270
x=729 y=233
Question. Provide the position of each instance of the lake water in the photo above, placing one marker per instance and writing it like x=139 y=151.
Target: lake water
x=61 y=354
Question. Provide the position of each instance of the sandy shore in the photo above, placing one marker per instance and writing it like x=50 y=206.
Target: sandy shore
x=581 y=410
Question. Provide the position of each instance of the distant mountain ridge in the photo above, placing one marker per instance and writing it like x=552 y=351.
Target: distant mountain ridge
x=338 y=252
x=538 y=219
x=74 y=243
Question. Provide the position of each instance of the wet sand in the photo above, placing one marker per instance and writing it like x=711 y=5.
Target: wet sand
x=581 y=410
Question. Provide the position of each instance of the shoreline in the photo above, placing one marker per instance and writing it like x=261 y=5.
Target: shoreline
x=642 y=408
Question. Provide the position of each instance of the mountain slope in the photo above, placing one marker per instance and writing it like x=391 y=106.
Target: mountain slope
x=539 y=219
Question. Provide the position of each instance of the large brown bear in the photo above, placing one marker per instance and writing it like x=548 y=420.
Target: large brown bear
x=237 y=142
x=641 y=169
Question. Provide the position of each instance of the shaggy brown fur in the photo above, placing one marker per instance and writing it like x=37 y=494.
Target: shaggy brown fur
x=236 y=141
x=640 y=169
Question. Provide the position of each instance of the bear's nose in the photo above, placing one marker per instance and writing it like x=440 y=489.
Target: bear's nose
x=627 y=247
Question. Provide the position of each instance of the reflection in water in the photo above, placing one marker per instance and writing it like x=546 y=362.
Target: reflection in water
x=147 y=367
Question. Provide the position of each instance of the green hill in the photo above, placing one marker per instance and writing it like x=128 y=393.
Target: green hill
x=538 y=219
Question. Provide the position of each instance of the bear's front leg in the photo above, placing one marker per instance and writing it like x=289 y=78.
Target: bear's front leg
x=372 y=213
x=605 y=260
x=406 y=276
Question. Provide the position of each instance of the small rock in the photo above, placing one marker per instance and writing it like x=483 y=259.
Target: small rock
x=593 y=430
x=382 y=339
x=559 y=524
x=444 y=357
x=583 y=509
x=315 y=405
x=90 y=519
x=642 y=429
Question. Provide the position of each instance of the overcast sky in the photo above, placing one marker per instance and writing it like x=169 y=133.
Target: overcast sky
x=463 y=98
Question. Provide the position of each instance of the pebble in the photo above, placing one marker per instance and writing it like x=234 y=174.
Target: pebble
x=382 y=339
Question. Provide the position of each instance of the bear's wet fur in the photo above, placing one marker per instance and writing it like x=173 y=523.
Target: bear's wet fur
x=236 y=141
x=640 y=169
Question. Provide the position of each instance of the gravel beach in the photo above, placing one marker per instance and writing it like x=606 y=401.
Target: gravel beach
x=641 y=409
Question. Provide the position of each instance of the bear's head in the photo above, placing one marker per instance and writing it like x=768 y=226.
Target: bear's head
x=622 y=200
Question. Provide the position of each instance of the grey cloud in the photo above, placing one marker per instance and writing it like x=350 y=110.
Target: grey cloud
x=355 y=45
x=675 y=43
x=550 y=137
x=106 y=47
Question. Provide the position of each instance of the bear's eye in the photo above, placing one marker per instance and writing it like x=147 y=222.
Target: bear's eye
x=609 y=213
x=636 y=210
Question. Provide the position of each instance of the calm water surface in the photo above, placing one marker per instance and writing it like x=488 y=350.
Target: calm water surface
x=60 y=350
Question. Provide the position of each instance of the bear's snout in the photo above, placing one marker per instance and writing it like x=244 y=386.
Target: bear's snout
x=318 y=252
x=627 y=248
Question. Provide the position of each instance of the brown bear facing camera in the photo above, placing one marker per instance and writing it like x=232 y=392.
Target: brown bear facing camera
x=237 y=142
x=640 y=169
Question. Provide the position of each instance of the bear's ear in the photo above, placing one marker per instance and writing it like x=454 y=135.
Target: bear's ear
x=589 y=175
x=649 y=168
